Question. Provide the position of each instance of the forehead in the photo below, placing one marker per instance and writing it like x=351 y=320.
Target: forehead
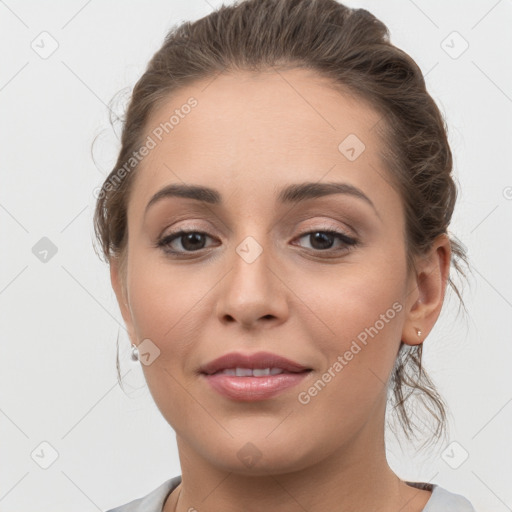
x=248 y=130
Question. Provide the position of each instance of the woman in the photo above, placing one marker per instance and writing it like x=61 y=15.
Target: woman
x=276 y=230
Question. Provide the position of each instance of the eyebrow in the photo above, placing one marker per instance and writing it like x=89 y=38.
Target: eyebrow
x=291 y=194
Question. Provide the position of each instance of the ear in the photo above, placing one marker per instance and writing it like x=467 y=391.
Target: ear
x=119 y=285
x=426 y=291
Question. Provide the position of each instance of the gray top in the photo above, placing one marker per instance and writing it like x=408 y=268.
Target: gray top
x=440 y=501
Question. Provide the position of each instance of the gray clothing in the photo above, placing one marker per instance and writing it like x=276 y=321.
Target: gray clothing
x=440 y=501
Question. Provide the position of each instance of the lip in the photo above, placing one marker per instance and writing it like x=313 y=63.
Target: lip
x=256 y=360
x=250 y=389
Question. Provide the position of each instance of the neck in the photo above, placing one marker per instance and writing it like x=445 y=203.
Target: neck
x=356 y=476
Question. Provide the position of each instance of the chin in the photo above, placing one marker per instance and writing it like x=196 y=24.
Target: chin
x=262 y=456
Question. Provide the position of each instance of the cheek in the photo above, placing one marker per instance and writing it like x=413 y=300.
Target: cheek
x=163 y=300
x=165 y=306
x=358 y=315
x=358 y=330
x=349 y=299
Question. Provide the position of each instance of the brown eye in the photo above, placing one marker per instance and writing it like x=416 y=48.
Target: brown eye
x=190 y=241
x=323 y=240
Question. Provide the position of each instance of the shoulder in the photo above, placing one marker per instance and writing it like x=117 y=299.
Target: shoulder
x=152 y=502
x=442 y=500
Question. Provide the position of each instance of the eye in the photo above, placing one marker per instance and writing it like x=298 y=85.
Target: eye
x=323 y=240
x=190 y=241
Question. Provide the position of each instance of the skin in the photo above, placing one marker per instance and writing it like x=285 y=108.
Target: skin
x=249 y=136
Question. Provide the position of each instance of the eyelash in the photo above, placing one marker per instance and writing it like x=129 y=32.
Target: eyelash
x=349 y=242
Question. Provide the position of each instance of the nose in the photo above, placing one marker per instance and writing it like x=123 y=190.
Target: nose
x=252 y=293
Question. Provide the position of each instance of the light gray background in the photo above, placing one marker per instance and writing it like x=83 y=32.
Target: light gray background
x=60 y=319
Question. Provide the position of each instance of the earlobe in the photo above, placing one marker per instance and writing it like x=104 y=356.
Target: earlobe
x=426 y=292
x=119 y=288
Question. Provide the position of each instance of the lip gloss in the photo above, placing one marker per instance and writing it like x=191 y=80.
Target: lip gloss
x=251 y=389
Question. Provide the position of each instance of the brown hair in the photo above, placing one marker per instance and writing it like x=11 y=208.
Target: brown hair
x=352 y=48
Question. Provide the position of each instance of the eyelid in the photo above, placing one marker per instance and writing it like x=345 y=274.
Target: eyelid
x=330 y=224
x=316 y=225
x=348 y=242
x=321 y=222
x=186 y=227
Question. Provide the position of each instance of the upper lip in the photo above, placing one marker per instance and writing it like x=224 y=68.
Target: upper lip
x=258 y=360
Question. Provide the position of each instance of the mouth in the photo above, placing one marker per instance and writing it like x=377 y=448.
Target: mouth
x=251 y=372
x=253 y=377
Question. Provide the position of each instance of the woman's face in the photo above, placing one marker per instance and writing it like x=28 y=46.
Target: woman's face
x=315 y=275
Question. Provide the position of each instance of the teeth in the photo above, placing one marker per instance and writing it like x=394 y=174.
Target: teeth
x=261 y=373
x=243 y=372
x=248 y=372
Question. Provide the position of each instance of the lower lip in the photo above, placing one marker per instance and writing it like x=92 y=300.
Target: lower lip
x=251 y=389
